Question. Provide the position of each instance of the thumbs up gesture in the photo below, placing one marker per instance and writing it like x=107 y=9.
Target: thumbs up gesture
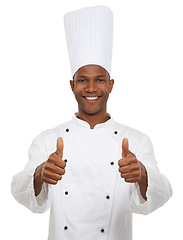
x=52 y=170
x=133 y=170
x=54 y=167
x=129 y=167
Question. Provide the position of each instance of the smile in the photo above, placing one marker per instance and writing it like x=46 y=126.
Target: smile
x=91 y=99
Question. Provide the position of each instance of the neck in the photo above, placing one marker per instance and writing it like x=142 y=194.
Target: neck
x=93 y=119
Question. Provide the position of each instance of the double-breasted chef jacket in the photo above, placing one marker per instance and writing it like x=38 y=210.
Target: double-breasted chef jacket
x=92 y=201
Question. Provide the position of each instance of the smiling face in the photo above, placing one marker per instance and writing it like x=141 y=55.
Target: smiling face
x=91 y=87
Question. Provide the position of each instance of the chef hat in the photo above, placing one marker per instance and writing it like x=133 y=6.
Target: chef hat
x=89 y=36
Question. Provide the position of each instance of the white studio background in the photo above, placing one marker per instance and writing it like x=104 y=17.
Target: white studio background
x=36 y=95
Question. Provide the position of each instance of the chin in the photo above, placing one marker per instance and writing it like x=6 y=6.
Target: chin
x=90 y=112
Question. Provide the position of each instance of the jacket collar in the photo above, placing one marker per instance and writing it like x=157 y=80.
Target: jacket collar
x=82 y=123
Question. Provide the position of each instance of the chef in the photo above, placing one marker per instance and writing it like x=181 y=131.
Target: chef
x=92 y=172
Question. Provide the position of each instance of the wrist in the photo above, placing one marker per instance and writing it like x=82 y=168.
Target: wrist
x=143 y=173
x=143 y=183
x=38 y=182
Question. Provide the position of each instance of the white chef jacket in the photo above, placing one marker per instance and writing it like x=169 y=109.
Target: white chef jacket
x=92 y=201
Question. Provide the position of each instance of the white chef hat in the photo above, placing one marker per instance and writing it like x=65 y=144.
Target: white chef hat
x=89 y=36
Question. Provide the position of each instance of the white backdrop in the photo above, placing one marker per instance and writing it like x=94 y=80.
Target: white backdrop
x=147 y=95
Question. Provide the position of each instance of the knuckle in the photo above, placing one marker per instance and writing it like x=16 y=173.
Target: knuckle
x=47 y=174
x=134 y=159
x=49 y=162
x=64 y=164
x=134 y=166
x=44 y=173
x=52 y=155
x=120 y=170
x=47 y=166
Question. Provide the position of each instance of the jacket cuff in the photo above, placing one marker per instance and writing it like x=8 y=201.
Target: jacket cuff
x=42 y=199
x=158 y=193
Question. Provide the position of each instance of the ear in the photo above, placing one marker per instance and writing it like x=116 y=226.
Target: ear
x=111 y=83
x=72 y=85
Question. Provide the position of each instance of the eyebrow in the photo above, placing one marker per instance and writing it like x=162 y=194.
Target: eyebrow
x=100 y=76
x=82 y=76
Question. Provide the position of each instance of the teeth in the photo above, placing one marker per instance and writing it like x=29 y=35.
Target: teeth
x=91 y=98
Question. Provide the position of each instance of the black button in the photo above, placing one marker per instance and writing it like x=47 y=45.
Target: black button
x=65 y=228
x=67 y=130
x=108 y=197
x=65 y=160
x=66 y=193
x=112 y=163
x=115 y=132
x=102 y=230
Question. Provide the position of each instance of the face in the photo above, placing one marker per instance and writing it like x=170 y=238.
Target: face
x=91 y=86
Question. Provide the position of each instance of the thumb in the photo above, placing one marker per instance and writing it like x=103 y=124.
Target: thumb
x=125 y=146
x=60 y=146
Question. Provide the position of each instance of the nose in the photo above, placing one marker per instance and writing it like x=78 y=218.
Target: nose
x=91 y=87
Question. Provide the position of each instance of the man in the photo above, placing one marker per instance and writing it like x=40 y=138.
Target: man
x=92 y=171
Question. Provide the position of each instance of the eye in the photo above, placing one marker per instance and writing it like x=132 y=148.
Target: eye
x=81 y=80
x=100 y=80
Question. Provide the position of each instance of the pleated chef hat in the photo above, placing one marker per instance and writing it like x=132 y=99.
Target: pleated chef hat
x=89 y=36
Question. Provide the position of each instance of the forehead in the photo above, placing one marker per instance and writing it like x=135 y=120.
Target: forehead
x=91 y=71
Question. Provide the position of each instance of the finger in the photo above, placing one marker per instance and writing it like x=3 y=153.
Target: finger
x=60 y=146
x=126 y=161
x=132 y=180
x=56 y=169
x=51 y=176
x=125 y=147
x=57 y=162
x=50 y=181
x=61 y=164
x=134 y=174
x=130 y=166
x=125 y=169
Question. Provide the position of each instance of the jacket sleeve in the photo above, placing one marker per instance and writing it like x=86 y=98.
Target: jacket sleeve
x=159 y=189
x=22 y=185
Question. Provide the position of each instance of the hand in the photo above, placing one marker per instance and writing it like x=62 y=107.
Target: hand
x=54 y=167
x=129 y=166
x=52 y=170
x=133 y=170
